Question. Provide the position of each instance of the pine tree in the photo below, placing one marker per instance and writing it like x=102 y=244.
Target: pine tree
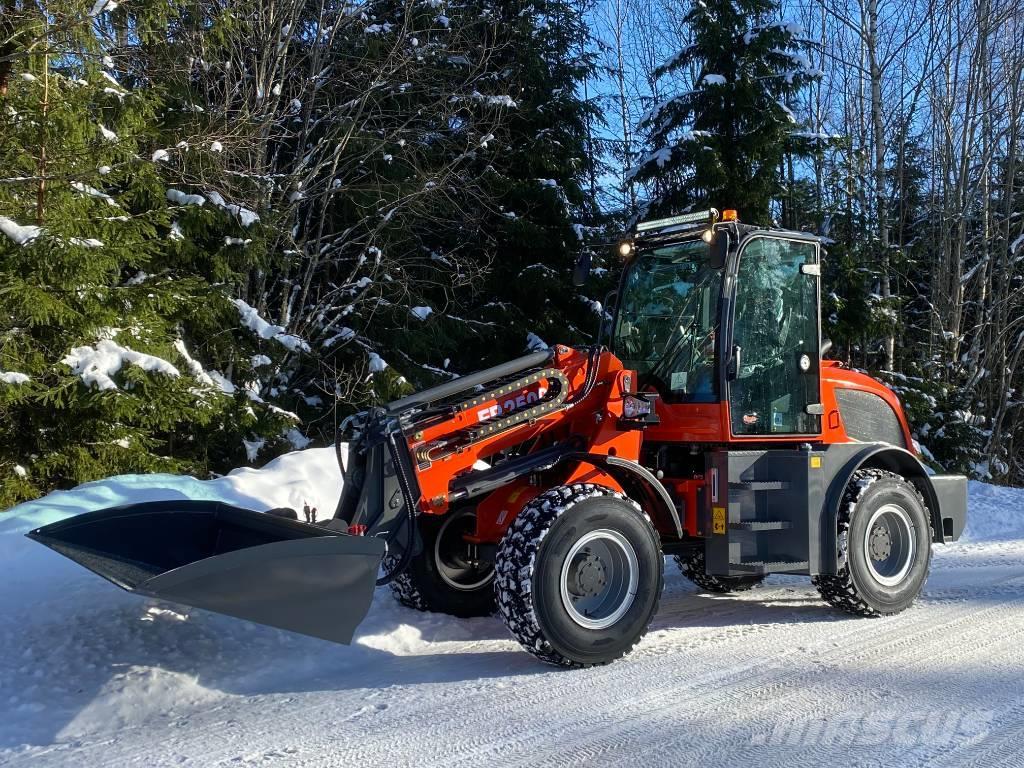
x=116 y=345
x=722 y=141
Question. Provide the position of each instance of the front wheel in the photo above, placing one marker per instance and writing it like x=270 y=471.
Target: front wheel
x=884 y=546
x=578 y=576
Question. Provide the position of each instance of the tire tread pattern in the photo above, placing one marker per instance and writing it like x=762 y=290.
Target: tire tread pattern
x=405 y=591
x=839 y=591
x=516 y=560
x=693 y=568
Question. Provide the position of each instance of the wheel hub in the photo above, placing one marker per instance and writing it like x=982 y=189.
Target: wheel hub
x=889 y=545
x=590 y=576
x=455 y=558
x=881 y=543
x=599 y=579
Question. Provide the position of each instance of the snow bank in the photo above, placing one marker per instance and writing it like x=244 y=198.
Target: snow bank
x=310 y=476
x=994 y=512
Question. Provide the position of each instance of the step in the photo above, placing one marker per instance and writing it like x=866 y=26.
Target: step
x=761 y=525
x=759 y=485
x=759 y=566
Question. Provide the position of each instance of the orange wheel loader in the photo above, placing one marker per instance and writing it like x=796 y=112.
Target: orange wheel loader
x=711 y=429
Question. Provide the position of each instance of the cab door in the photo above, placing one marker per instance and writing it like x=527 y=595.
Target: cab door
x=773 y=372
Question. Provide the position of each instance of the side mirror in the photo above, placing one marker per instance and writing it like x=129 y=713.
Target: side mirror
x=826 y=346
x=581 y=271
x=718 y=249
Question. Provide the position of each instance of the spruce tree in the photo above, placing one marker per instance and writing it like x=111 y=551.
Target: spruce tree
x=541 y=177
x=721 y=138
x=117 y=347
x=527 y=133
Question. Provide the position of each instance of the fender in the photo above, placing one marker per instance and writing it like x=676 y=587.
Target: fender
x=644 y=485
x=902 y=462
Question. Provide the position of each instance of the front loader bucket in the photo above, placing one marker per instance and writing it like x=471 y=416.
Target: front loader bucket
x=251 y=565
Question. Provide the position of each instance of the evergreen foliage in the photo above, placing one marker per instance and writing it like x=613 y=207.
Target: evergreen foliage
x=107 y=320
x=722 y=141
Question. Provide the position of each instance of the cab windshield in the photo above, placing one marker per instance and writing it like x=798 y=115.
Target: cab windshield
x=667 y=320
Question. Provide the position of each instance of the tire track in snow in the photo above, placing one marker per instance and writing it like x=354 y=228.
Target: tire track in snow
x=509 y=719
x=473 y=750
x=626 y=724
x=795 y=700
x=869 y=628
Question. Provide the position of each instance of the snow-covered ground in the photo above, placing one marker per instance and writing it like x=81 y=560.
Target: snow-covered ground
x=92 y=676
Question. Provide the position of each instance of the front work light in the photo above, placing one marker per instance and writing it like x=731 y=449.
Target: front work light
x=635 y=407
x=638 y=411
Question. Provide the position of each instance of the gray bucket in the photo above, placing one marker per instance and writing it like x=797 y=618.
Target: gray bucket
x=251 y=565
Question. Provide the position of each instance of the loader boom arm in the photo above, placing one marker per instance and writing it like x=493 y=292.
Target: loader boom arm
x=420 y=454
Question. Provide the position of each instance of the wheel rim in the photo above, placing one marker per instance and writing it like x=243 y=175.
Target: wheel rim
x=889 y=544
x=453 y=554
x=599 y=579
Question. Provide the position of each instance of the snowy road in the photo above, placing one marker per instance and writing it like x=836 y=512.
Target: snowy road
x=92 y=677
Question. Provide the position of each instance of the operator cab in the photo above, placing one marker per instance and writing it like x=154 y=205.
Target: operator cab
x=714 y=311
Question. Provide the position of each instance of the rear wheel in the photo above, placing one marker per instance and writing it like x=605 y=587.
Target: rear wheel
x=447 y=577
x=578 y=576
x=884 y=546
x=694 y=568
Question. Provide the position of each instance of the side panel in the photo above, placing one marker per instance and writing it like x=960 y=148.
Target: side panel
x=868 y=418
x=758 y=511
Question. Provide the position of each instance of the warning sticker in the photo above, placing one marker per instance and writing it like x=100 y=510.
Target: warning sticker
x=718 y=519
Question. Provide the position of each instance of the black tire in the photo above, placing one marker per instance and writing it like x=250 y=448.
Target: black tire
x=882 y=569
x=439 y=579
x=693 y=568
x=575 y=554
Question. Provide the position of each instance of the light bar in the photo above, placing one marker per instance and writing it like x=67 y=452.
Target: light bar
x=674 y=221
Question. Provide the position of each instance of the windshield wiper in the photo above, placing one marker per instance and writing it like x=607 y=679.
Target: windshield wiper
x=672 y=352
